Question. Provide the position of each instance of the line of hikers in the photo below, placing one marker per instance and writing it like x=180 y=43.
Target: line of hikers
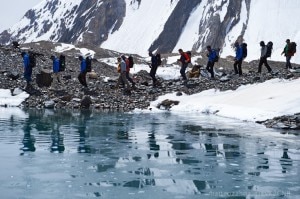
x=58 y=65
x=240 y=55
x=126 y=63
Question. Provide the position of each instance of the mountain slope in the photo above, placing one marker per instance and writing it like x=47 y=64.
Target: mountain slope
x=136 y=26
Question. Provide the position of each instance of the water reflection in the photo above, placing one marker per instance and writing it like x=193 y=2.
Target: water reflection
x=285 y=161
x=83 y=118
x=110 y=155
x=28 y=140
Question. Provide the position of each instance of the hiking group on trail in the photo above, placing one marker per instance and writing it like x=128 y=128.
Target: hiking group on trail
x=126 y=63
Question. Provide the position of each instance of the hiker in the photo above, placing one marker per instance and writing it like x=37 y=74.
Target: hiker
x=82 y=74
x=185 y=60
x=154 y=65
x=238 y=59
x=56 y=75
x=288 y=54
x=263 y=57
x=122 y=77
x=211 y=61
x=126 y=60
x=195 y=72
x=27 y=69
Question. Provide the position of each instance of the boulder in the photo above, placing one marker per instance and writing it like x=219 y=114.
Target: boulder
x=44 y=79
x=86 y=102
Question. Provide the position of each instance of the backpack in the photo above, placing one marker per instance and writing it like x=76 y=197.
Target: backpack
x=245 y=51
x=130 y=61
x=269 y=49
x=293 y=47
x=217 y=54
x=189 y=53
x=62 y=63
x=158 y=59
x=32 y=59
x=88 y=61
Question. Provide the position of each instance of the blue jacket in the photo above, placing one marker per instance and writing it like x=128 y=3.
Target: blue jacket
x=83 y=66
x=26 y=60
x=239 y=53
x=212 y=56
x=55 y=65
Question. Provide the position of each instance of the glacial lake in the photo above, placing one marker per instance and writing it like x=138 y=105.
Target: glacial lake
x=49 y=154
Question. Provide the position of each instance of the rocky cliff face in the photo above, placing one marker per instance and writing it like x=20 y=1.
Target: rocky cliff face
x=210 y=21
x=91 y=22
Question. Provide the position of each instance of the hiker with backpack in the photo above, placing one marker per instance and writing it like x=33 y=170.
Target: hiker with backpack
x=129 y=64
x=55 y=69
x=239 y=56
x=27 y=69
x=122 y=77
x=289 y=51
x=82 y=74
x=155 y=62
x=212 y=57
x=266 y=51
x=184 y=60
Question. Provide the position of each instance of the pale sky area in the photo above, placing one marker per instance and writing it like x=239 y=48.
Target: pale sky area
x=13 y=10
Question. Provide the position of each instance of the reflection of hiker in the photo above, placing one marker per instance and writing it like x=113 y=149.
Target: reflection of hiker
x=285 y=161
x=211 y=61
x=154 y=65
x=195 y=72
x=28 y=139
x=84 y=117
x=82 y=74
x=263 y=57
x=288 y=52
x=27 y=69
x=185 y=60
x=57 y=144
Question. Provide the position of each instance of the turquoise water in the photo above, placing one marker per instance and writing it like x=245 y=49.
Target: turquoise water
x=57 y=154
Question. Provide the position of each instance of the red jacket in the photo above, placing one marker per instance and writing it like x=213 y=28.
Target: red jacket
x=185 y=58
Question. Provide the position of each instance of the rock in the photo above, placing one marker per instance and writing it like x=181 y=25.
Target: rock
x=66 y=98
x=179 y=94
x=44 y=78
x=92 y=75
x=49 y=104
x=17 y=91
x=86 y=102
x=14 y=75
x=167 y=104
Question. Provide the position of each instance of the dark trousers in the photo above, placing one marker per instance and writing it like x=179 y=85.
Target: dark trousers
x=263 y=60
x=210 y=68
x=238 y=67
x=182 y=70
x=129 y=78
x=28 y=74
x=153 y=73
x=288 y=62
x=82 y=78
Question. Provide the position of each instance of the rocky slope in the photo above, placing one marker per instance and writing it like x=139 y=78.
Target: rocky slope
x=101 y=95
